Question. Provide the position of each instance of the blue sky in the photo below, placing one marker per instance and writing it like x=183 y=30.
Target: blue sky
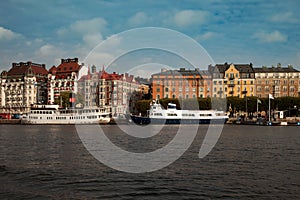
x=258 y=31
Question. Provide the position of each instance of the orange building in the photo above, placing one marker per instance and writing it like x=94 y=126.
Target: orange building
x=181 y=83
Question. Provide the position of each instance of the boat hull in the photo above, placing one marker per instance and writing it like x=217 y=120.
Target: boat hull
x=147 y=120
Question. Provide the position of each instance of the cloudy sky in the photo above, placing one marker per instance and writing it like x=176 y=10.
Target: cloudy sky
x=258 y=31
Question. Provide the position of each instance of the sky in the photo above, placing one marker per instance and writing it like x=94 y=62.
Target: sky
x=251 y=31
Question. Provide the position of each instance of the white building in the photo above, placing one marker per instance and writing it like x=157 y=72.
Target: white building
x=64 y=78
x=22 y=86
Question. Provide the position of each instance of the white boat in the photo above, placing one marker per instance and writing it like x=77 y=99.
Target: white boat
x=52 y=114
x=158 y=115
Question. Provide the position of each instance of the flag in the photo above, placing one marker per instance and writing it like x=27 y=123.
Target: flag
x=258 y=101
x=271 y=96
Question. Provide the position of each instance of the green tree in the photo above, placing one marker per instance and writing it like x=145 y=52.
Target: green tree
x=63 y=99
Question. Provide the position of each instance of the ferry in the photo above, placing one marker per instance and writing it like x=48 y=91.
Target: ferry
x=52 y=114
x=158 y=115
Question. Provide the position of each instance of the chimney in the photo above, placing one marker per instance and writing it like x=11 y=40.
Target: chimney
x=93 y=69
x=14 y=65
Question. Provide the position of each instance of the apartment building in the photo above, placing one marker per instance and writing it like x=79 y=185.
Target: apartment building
x=23 y=85
x=278 y=81
x=115 y=91
x=232 y=80
x=64 y=78
x=182 y=83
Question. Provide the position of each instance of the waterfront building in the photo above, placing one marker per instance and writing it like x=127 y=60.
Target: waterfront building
x=64 y=78
x=278 y=81
x=182 y=83
x=206 y=87
x=233 y=80
x=23 y=85
x=116 y=92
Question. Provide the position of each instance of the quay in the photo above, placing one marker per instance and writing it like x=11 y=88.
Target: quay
x=10 y=121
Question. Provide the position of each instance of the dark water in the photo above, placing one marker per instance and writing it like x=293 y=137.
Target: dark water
x=248 y=162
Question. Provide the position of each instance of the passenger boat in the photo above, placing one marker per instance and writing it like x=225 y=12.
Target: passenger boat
x=158 y=115
x=52 y=114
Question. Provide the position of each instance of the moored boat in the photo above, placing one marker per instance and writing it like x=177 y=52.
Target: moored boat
x=158 y=115
x=52 y=114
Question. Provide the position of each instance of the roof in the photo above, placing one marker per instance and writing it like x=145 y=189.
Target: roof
x=274 y=69
x=107 y=76
x=242 y=68
x=21 y=69
x=181 y=71
x=68 y=66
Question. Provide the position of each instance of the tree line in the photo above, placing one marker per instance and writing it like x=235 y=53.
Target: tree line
x=234 y=104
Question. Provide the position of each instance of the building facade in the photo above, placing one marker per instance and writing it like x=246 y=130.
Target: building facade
x=180 y=83
x=116 y=92
x=233 y=80
x=64 y=78
x=22 y=86
x=278 y=81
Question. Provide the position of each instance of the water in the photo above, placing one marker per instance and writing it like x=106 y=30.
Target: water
x=248 y=162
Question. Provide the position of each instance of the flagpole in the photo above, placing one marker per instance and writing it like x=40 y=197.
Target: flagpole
x=257 y=106
x=269 y=109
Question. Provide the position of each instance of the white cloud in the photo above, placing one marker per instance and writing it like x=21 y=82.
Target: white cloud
x=205 y=36
x=186 y=18
x=49 y=53
x=6 y=34
x=271 y=37
x=90 y=30
x=287 y=17
x=81 y=27
x=138 y=19
x=92 y=39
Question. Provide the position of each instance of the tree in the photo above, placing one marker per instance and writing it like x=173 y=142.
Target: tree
x=63 y=99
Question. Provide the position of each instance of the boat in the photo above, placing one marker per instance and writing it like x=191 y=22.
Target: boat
x=158 y=115
x=52 y=114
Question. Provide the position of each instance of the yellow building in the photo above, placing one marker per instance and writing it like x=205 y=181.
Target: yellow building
x=233 y=80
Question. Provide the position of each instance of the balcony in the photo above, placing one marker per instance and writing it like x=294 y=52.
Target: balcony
x=231 y=92
x=231 y=85
x=231 y=78
x=244 y=92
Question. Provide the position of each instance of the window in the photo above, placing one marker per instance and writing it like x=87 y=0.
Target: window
x=267 y=88
x=258 y=89
x=292 y=82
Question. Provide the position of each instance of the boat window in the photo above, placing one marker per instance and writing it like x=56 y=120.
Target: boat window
x=205 y=115
x=185 y=114
x=172 y=114
x=157 y=114
x=171 y=106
